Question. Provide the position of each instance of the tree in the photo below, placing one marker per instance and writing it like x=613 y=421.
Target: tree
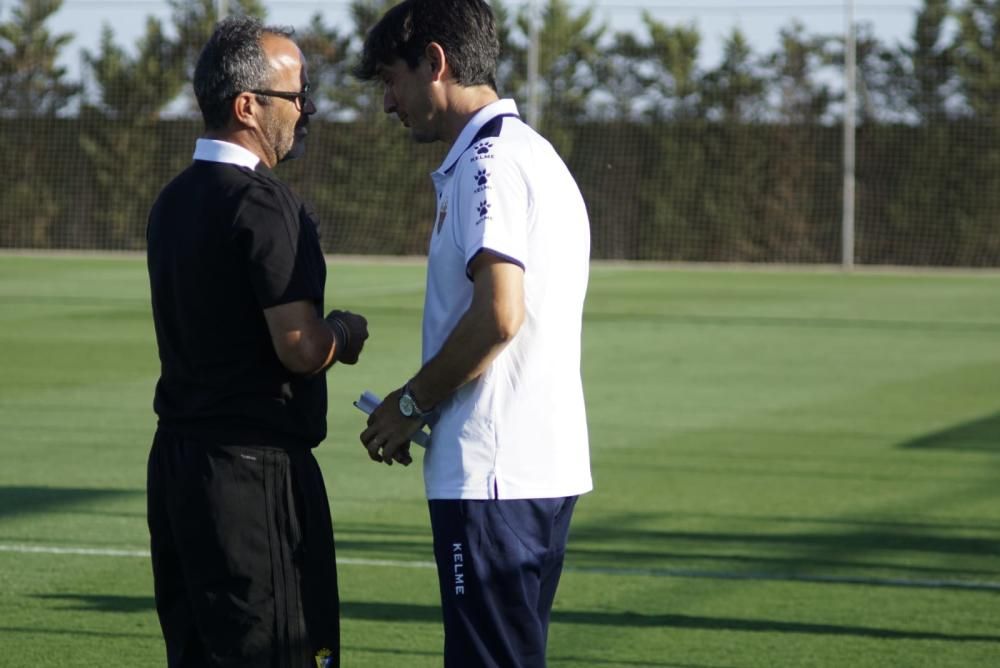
x=506 y=67
x=930 y=63
x=33 y=89
x=144 y=84
x=734 y=92
x=567 y=61
x=879 y=99
x=657 y=79
x=672 y=57
x=623 y=84
x=133 y=91
x=140 y=86
x=329 y=60
x=880 y=95
x=362 y=221
x=195 y=20
x=799 y=95
x=31 y=84
x=977 y=57
x=921 y=77
x=332 y=55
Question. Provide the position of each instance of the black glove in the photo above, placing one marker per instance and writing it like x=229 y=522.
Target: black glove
x=350 y=331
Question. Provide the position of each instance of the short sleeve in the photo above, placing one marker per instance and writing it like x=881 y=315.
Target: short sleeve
x=280 y=245
x=492 y=205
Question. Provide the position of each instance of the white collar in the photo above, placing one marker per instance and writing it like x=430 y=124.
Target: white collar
x=481 y=118
x=214 y=150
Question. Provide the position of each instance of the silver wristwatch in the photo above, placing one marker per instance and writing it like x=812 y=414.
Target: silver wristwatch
x=408 y=405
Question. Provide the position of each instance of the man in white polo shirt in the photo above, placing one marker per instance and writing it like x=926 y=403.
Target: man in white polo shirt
x=500 y=383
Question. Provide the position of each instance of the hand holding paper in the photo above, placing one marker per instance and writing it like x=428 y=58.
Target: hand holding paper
x=369 y=401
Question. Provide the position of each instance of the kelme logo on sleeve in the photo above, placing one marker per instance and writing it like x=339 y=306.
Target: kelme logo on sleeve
x=484 y=208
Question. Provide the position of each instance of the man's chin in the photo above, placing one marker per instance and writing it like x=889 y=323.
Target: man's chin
x=297 y=150
x=422 y=137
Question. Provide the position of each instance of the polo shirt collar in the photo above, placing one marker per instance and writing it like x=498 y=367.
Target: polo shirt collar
x=482 y=117
x=214 y=150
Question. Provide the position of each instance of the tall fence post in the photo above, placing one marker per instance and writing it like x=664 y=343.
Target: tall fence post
x=533 y=111
x=850 y=129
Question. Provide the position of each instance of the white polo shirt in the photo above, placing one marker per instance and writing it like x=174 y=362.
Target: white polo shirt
x=519 y=431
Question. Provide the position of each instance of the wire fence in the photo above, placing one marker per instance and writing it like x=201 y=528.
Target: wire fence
x=687 y=146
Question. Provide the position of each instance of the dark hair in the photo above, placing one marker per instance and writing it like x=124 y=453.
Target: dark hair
x=465 y=29
x=231 y=62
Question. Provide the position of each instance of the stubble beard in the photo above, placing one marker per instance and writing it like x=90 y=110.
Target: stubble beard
x=282 y=140
x=422 y=136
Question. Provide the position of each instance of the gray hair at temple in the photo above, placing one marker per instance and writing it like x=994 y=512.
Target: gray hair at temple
x=231 y=62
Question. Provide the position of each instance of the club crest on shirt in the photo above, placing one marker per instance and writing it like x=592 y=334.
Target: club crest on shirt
x=324 y=658
x=442 y=215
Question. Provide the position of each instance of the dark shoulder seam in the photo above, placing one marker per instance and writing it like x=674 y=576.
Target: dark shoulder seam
x=491 y=128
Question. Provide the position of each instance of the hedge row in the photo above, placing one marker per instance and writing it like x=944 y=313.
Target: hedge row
x=691 y=192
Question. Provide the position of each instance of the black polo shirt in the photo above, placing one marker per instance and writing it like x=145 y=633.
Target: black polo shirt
x=224 y=243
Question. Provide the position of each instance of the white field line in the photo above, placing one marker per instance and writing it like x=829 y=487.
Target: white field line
x=144 y=554
x=79 y=551
x=793 y=577
x=617 y=572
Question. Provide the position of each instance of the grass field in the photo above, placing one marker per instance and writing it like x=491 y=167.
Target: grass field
x=792 y=469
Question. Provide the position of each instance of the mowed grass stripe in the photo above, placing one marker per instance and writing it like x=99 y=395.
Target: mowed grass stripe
x=787 y=465
x=613 y=572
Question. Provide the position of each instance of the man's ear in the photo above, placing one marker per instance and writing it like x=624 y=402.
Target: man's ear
x=435 y=57
x=244 y=109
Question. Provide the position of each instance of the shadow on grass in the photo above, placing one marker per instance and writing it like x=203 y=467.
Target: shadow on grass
x=981 y=435
x=24 y=500
x=411 y=612
x=889 y=555
x=101 y=603
x=418 y=613
x=554 y=659
x=636 y=620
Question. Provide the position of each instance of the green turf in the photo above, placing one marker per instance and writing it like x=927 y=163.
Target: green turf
x=792 y=469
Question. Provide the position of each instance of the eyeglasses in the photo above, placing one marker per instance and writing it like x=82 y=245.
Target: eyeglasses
x=301 y=99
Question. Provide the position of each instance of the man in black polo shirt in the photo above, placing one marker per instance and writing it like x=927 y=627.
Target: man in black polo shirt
x=240 y=530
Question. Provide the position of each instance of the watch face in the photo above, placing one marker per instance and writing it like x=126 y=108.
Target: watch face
x=406 y=405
